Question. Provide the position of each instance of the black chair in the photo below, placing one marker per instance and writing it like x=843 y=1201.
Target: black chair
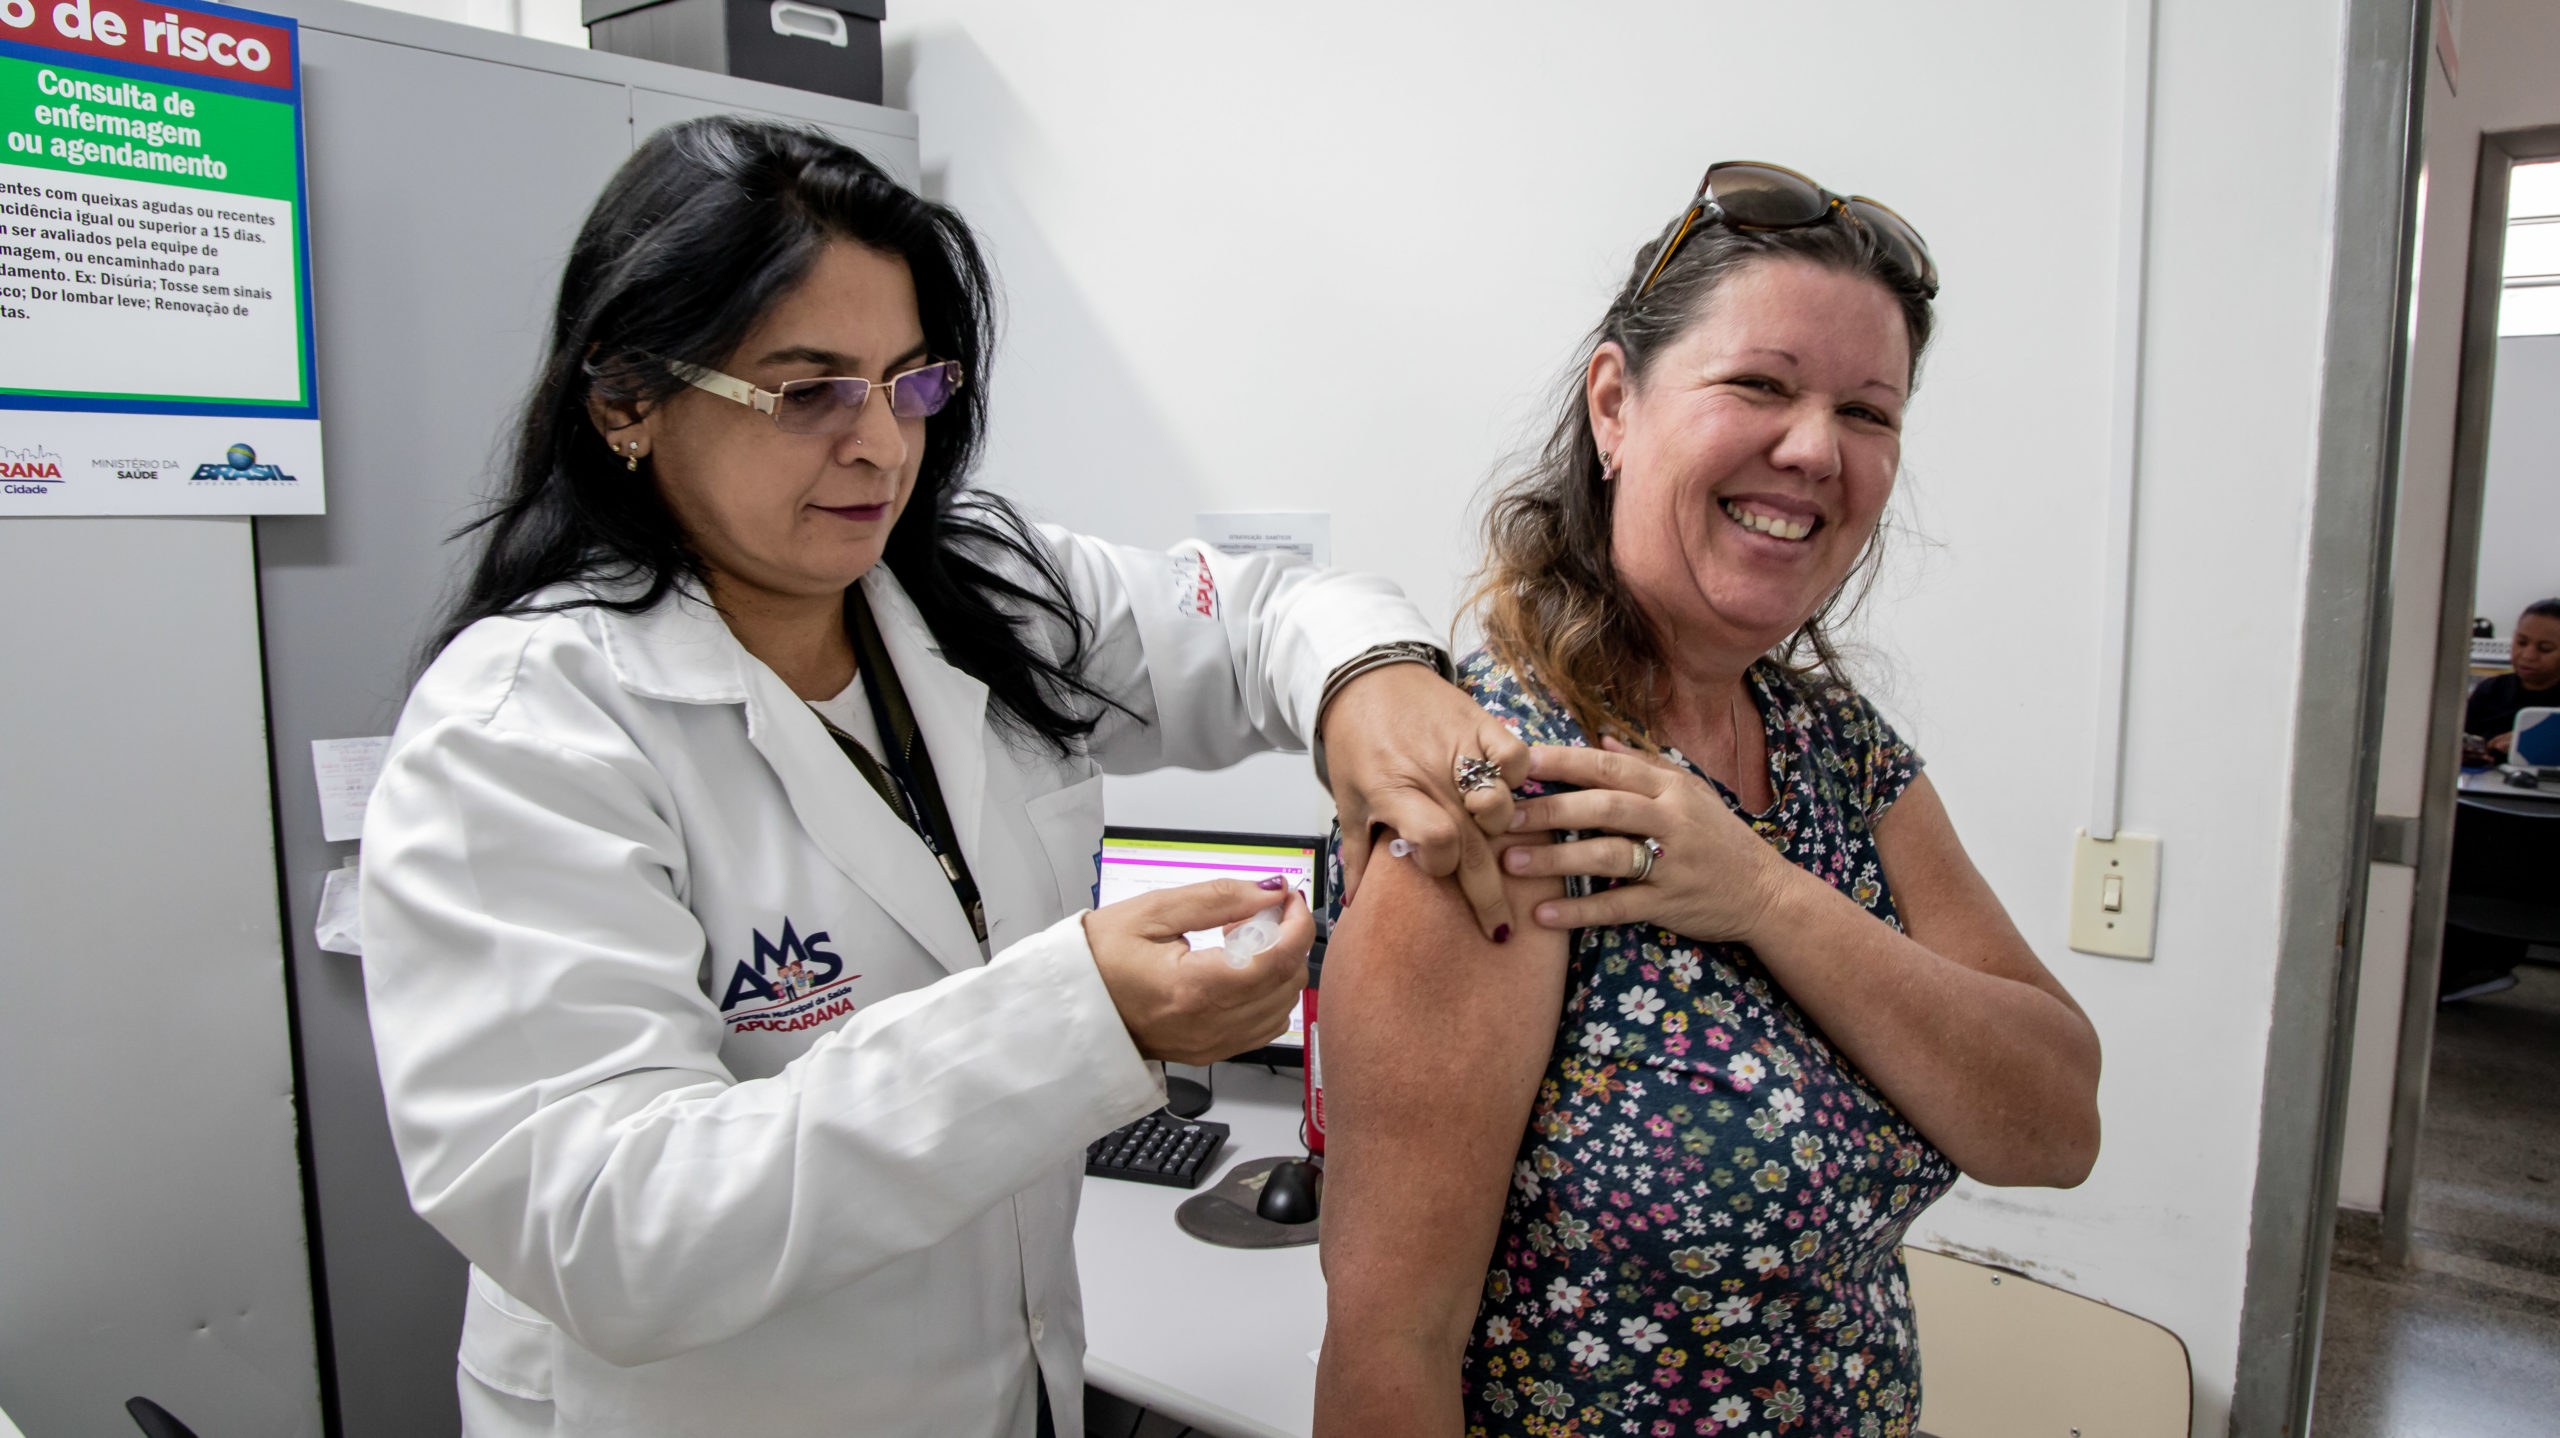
x=156 y=1421
x=2503 y=894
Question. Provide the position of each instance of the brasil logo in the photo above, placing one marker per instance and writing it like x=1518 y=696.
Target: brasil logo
x=239 y=462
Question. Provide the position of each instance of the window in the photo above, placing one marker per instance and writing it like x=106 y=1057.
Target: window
x=2531 y=304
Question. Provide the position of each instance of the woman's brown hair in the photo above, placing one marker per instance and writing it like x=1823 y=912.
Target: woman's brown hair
x=1549 y=597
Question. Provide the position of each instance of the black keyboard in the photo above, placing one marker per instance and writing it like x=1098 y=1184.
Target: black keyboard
x=1157 y=1149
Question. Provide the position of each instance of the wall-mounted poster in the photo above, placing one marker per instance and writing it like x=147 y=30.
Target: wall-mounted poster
x=155 y=303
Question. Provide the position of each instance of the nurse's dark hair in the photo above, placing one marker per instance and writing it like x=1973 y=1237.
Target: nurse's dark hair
x=1549 y=598
x=707 y=226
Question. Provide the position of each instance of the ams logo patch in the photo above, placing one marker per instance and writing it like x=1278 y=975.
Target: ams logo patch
x=790 y=985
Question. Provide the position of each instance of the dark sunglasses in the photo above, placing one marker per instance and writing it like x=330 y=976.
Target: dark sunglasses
x=1747 y=195
x=833 y=405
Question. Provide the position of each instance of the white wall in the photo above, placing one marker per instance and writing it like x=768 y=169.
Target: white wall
x=2520 y=514
x=2510 y=81
x=553 y=20
x=1332 y=257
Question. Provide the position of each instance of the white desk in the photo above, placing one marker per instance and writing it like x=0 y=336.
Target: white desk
x=1214 y=1337
x=2488 y=789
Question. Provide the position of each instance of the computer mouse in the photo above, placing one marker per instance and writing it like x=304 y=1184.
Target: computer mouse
x=1292 y=1193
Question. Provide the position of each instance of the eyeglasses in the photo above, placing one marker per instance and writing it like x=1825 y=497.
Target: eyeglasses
x=1747 y=195
x=830 y=406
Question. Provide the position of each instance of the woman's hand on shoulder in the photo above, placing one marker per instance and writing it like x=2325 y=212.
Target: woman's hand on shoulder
x=1393 y=740
x=1714 y=880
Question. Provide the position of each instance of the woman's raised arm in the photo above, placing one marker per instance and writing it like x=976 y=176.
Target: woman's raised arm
x=1433 y=1040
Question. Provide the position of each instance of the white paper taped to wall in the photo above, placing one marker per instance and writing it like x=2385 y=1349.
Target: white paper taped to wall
x=346 y=769
x=335 y=928
x=1307 y=534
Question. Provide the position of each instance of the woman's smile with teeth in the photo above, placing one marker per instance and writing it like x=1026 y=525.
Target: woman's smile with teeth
x=1774 y=525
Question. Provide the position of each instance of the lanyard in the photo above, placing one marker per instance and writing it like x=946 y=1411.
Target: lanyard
x=908 y=787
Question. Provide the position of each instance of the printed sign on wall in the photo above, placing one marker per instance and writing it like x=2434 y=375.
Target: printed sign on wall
x=155 y=305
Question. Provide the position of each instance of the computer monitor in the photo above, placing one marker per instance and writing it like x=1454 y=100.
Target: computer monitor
x=1135 y=861
x=2537 y=744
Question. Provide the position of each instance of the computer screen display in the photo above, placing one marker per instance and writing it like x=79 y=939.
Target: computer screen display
x=1138 y=861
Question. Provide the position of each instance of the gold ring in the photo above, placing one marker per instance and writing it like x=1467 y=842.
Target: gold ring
x=1647 y=851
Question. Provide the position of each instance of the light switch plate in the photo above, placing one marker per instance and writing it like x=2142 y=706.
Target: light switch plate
x=2133 y=860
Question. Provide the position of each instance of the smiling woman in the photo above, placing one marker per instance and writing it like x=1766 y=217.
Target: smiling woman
x=1646 y=1170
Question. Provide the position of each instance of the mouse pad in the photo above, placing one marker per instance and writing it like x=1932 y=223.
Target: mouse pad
x=1224 y=1214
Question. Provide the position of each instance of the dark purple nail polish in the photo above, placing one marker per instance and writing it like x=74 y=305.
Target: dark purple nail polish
x=1502 y=933
x=1271 y=881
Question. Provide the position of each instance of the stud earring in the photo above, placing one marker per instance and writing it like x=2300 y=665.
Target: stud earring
x=1608 y=467
x=631 y=461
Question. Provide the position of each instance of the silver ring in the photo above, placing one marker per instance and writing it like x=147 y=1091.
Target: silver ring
x=1647 y=851
x=1477 y=774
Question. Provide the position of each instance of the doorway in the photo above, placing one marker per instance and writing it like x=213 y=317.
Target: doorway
x=2443 y=1312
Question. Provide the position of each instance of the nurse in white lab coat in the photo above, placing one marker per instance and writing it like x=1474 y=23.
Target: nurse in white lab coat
x=741 y=1008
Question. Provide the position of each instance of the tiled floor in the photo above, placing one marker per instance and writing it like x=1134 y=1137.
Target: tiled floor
x=2465 y=1343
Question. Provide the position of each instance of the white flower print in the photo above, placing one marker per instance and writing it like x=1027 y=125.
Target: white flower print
x=1684 y=968
x=1729 y=1410
x=1855 y=1368
x=1588 y=1350
x=1598 y=1038
x=1787 y=1104
x=1762 y=1259
x=1734 y=1312
x=1498 y=1331
x=1524 y=1178
x=1564 y=1296
x=1639 y=1005
x=1746 y=1070
x=1641 y=1334
x=1860 y=1210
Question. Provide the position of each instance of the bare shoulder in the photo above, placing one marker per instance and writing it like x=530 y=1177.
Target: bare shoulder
x=1426 y=925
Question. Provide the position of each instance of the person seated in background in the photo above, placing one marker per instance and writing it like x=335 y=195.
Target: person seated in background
x=2478 y=962
x=2533 y=682
x=1645 y=1167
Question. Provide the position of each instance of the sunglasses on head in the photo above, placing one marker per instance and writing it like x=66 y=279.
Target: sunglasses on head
x=1747 y=195
x=832 y=405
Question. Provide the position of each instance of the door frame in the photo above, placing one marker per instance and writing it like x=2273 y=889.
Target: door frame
x=2484 y=284
x=2336 y=745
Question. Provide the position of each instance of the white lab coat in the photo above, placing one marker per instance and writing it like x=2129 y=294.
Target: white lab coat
x=689 y=1049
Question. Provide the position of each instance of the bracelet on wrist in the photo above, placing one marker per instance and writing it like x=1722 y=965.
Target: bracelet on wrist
x=1403 y=651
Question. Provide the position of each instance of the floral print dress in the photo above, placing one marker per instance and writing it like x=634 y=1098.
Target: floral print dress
x=1701 y=1234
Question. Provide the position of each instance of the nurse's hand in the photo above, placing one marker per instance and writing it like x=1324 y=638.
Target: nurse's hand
x=1192 y=1007
x=1392 y=741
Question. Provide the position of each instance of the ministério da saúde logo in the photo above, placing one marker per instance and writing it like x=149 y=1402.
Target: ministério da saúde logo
x=238 y=462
